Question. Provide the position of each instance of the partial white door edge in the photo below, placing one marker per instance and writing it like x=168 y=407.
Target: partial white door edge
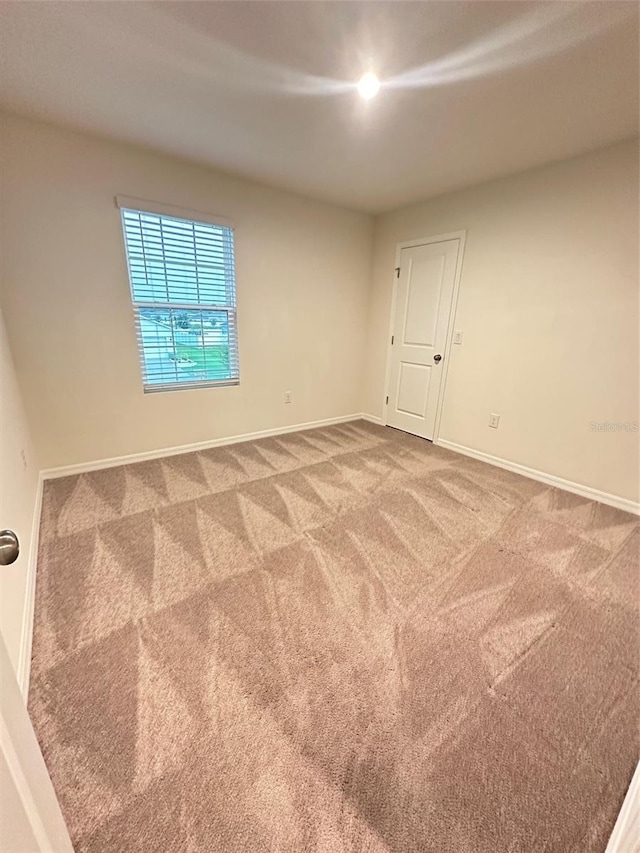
x=410 y=244
x=28 y=614
x=27 y=773
x=625 y=837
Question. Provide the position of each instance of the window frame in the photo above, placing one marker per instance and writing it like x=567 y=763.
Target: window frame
x=126 y=203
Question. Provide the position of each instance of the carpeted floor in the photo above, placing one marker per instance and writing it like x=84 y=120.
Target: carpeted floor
x=344 y=639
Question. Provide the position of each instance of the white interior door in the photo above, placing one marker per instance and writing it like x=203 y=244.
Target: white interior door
x=419 y=334
x=30 y=816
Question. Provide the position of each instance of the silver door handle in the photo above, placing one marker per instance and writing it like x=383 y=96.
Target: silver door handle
x=9 y=547
x=437 y=358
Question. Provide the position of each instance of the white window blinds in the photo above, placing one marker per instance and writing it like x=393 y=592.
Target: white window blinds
x=182 y=280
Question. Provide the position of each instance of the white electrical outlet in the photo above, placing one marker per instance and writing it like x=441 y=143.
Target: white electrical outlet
x=287 y=396
x=494 y=420
x=457 y=337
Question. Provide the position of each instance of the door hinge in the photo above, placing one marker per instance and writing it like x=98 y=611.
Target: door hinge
x=397 y=272
x=387 y=402
x=393 y=337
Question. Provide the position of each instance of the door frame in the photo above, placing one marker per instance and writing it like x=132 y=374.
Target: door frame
x=410 y=244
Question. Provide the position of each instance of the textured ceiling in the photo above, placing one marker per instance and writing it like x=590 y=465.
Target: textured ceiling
x=472 y=90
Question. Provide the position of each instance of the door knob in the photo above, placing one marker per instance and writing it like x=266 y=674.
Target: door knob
x=9 y=547
x=437 y=358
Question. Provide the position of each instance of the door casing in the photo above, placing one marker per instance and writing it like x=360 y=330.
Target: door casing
x=409 y=244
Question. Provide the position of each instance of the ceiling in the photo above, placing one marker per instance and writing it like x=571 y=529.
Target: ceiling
x=471 y=90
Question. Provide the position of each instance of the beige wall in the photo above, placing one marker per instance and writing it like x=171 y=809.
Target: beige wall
x=303 y=276
x=18 y=490
x=548 y=306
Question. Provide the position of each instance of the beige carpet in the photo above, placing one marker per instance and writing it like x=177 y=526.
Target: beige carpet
x=345 y=639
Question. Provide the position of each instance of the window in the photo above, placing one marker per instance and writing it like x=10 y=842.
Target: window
x=182 y=280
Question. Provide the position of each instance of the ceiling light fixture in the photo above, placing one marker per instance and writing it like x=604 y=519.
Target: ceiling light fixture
x=368 y=85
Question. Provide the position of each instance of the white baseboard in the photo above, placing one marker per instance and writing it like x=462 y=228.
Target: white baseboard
x=24 y=662
x=99 y=464
x=28 y=615
x=83 y=467
x=626 y=832
x=549 y=479
x=627 y=827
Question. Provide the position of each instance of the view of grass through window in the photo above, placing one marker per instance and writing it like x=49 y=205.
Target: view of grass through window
x=179 y=344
